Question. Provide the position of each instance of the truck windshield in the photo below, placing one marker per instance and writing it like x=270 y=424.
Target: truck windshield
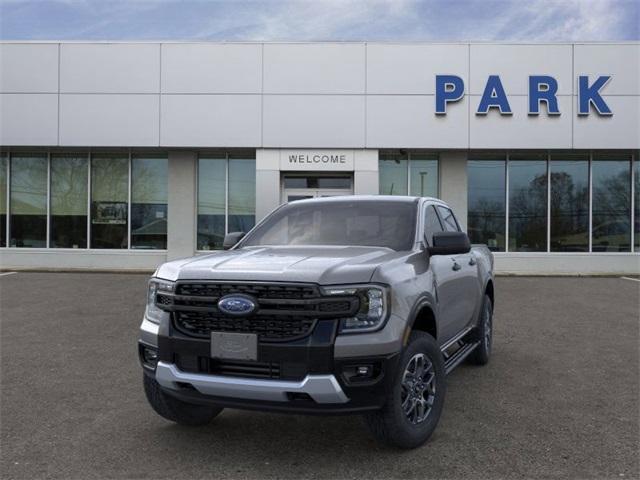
x=375 y=223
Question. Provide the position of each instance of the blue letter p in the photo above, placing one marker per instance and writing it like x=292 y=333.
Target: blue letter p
x=449 y=88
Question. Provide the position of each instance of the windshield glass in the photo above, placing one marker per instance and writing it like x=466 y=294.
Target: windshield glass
x=359 y=223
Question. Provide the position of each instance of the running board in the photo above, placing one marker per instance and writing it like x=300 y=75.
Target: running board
x=456 y=358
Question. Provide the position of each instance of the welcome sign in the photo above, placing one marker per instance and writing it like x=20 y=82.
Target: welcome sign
x=317 y=160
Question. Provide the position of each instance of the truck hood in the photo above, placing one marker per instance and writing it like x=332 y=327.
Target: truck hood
x=322 y=265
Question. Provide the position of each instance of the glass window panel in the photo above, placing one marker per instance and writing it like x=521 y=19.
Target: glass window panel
x=424 y=175
x=393 y=173
x=211 y=202
x=431 y=224
x=149 y=194
x=69 y=178
x=28 y=201
x=242 y=195
x=3 y=199
x=569 y=203
x=109 y=197
x=528 y=203
x=487 y=203
x=611 y=229
x=449 y=221
x=636 y=189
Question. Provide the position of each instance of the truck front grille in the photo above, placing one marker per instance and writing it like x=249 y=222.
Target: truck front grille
x=284 y=311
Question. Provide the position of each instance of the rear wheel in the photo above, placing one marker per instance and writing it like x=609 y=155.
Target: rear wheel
x=482 y=353
x=176 y=410
x=415 y=402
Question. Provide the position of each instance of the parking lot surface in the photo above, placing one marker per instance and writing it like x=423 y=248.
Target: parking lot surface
x=560 y=397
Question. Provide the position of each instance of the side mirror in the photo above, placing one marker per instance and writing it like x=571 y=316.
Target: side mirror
x=449 y=243
x=230 y=239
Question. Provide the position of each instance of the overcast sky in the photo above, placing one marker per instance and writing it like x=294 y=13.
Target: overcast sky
x=273 y=20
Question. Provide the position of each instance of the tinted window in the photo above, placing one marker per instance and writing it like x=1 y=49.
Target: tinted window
x=212 y=173
x=394 y=175
x=109 y=197
x=611 y=203
x=449 y=221
x=149 y=196
x=69 y=181
x=423 y=172
x=28 y=201
x=3 y=200
x=569 y=203
x=528 y=203
x=242 y=195
x=486 y=198
x=431 y=224
x=365 y=223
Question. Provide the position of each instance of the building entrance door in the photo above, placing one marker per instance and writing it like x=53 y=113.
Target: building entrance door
x=299 y=187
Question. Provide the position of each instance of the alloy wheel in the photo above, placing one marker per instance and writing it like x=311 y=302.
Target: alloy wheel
x=418 y=388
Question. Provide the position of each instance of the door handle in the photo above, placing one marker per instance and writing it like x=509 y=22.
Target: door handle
x=456 y=266
x=472 y=261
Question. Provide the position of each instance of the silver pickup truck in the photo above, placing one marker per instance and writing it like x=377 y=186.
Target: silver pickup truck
x=358 y=304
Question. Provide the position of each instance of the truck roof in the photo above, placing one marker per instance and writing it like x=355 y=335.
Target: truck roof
x=378 y=198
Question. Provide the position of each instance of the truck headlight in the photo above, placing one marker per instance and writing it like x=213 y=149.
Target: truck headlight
x=152 y=312
x=372 y=313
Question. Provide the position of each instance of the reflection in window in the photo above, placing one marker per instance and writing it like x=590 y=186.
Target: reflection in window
x=569 y=203
x=393 y=173
x=149 y=195
x=528 y=203
x=487 y=202
x=449 y=221
x=242 y=195
x=28 y=223
x=69 y=201
x=212 y=173
x=4 y=161
x=611 y=213
x=636 y=189
x=423 y=172
x=109 y=196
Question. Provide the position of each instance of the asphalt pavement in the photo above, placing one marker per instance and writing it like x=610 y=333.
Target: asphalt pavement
x=559 y=399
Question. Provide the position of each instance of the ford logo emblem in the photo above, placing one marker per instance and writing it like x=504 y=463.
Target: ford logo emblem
x=237 y=305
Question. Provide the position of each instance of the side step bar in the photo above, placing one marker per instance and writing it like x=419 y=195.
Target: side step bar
x=454 y=359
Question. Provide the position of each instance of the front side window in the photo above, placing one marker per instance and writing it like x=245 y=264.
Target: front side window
x=611 y=183
x=69 y=184
x=352 y=223
x=109 y=197
x=431 y=224
x=569 y=220
x=28 y=221
x=449 y=221
x=528 y=203
x=149 y=196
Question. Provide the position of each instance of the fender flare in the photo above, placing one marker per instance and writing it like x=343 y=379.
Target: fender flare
x=421 y=302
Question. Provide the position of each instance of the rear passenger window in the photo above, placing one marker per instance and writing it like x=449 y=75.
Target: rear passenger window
x=431 y=224
x=448 y=220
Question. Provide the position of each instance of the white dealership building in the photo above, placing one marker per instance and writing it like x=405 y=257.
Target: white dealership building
x=125 y=155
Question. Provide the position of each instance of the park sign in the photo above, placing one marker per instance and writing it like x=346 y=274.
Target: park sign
x=542 y=89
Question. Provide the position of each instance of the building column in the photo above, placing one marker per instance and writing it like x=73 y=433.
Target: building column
x=267 y=181
x=182 y=208
x=453 y=183
x=365 y=176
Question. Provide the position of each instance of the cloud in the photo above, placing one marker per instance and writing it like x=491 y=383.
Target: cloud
x=331 y=20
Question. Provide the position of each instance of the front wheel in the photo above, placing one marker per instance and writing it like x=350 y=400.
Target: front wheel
x=176 y=410
x=416 y=399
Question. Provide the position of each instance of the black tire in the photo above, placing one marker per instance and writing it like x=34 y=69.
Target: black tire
x=176 y=410
x=484 y=333
x=391 y=425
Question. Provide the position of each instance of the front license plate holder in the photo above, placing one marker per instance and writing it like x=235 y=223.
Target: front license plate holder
x=234 y=346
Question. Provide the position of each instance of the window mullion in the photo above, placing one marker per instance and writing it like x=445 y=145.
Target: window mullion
x=129 y=206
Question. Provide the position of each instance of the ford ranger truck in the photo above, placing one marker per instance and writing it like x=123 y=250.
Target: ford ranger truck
x=340 y=305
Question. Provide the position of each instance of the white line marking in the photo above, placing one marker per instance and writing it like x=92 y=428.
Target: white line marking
x=7 y=273
x=632 y=279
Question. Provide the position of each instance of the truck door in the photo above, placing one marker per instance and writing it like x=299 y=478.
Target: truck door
x=446 y=277
x=467 y=286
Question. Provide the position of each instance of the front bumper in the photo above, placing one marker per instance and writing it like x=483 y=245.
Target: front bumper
x=310 y=379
